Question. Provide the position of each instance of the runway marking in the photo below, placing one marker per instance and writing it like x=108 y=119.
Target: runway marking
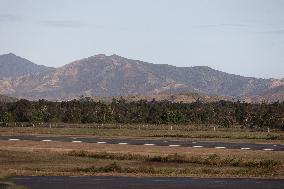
x=197 y=146
x=268 y=149
x=14 y=139
x=46 y=140
x=275 y=145
x=160 y=180
x=245 y=148
x=220 y=147
x=194 y=142
x=101 y=142
x=123 y=143
x=174 y=145
x=175 y=140
x=77 y=141
x=149 y=144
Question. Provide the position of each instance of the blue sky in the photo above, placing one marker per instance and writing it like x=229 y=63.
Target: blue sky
x=244 y=37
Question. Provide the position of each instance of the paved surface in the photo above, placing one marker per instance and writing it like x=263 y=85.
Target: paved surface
x=144 y=183
x=150 y=142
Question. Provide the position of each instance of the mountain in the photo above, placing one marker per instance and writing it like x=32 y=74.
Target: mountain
x=5 y=99
x=14 y=66
x=271 y=95
x=114 y=75
x=275 y=94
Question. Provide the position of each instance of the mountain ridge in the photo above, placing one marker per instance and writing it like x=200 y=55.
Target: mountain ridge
x=114 y=75
x=7 y=99
x=12 y=65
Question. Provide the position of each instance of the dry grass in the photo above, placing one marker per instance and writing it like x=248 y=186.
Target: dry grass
x=59 y=158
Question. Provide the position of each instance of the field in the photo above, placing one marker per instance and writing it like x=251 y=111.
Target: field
x=26 y=158
x=59 y=158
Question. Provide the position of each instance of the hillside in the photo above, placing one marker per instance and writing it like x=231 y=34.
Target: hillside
x=275 y=94
x=6 y=99
x=15 y=66
x=114 y=75
x=271 y=95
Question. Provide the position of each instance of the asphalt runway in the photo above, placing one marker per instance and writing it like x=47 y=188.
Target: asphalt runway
x=144 y=183
x=150 y=142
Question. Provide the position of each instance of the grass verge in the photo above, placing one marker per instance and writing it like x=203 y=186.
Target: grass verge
x=64 y=159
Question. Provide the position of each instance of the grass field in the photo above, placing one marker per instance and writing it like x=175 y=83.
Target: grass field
x=57 y=158
x=30 y=158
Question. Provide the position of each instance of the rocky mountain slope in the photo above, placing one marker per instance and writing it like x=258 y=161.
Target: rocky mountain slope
x=275 y=94
x=271 y=95
x=114 y=75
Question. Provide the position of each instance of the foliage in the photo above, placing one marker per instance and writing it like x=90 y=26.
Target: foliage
x=221 y=113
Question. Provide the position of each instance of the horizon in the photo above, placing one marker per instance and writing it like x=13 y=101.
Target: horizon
x=234 y=36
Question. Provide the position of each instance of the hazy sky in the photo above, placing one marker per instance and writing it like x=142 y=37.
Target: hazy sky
x=244 y=37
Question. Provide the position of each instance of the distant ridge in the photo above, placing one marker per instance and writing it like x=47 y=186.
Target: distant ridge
x=107 y=76
x=6 y=99
x=15 y=66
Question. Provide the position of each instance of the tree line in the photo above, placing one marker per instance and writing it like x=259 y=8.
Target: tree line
x=85 y=110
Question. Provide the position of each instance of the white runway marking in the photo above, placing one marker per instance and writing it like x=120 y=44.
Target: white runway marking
x=275 y=145
x=46 y=140
x=101 y=142
x=220 y=147
x=123 y=143
x=197 y=146
x=76 y=141
x=174 y=145
x=149 y=144
x=245 y=148
x=175 y=140
x=268 y=149
x=14 y=139
x=194 y=142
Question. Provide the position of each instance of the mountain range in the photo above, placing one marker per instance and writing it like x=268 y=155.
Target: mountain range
x=7 y=99
x=15 y=66
x=103 y=75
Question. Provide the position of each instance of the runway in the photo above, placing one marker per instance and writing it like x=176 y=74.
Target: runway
x=149 y=142
x=144 y=183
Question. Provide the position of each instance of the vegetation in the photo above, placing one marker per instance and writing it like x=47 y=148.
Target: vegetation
x=210 y=160
x=222 y=113
x=198 y=163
